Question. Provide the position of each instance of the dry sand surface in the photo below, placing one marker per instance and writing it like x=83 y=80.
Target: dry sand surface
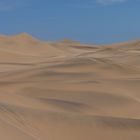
x=68 y=91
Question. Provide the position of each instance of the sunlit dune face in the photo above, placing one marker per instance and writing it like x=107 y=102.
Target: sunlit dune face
x=68 y=91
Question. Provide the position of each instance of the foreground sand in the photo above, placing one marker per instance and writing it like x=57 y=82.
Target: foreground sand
x=68 y=91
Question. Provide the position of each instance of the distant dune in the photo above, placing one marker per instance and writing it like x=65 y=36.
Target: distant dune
x=68 y=91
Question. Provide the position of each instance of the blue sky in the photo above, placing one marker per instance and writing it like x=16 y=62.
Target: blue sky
x=88 y=21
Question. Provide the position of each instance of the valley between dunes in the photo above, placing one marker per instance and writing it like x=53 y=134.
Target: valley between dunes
x=68 y=91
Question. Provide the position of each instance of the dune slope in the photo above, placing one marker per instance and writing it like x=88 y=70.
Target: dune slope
x=68 y=91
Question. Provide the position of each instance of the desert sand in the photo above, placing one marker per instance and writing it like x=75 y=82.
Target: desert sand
x=68 y=91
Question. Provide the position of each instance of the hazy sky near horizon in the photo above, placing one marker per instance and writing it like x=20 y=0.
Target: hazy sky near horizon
x=88 y=21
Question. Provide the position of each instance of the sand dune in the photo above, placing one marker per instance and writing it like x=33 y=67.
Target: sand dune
x=68 y=91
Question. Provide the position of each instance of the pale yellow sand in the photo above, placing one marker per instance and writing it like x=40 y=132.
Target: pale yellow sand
x=68 y=91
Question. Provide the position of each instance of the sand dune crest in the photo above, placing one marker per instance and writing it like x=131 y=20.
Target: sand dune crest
x=68 y=91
